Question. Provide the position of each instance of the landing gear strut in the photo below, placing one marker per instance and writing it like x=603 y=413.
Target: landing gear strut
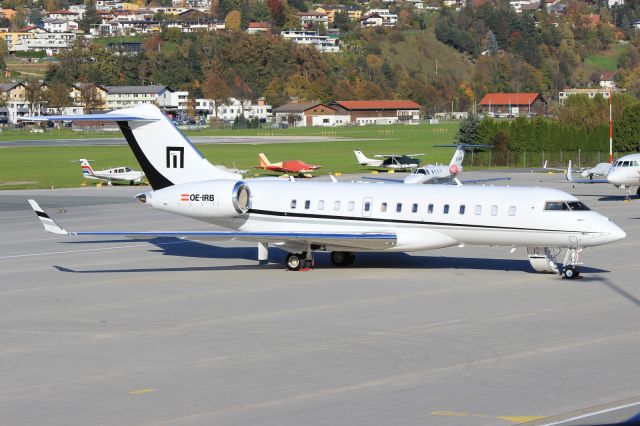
x=342 y=258
x=569 y=266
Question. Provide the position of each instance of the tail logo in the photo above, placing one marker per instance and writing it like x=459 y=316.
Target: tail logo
x=175 y=157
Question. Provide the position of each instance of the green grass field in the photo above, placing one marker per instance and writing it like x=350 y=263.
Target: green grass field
x=607 y=61
x=44 y=167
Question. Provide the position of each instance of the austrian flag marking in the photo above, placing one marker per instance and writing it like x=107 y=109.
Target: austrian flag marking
x=184 y=197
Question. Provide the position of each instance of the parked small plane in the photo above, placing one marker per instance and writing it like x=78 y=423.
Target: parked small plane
x=624 y=173
x=389 y=161
x=296 y=167
x=439 y=173
x=600 y=169
x=301 y=217
x=119 y=175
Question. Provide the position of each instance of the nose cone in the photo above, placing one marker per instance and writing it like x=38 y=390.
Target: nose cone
x=615 y=177
x=615 y=232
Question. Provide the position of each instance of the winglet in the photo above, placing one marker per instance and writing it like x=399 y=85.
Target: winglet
x=569 y=176
x=49 y=224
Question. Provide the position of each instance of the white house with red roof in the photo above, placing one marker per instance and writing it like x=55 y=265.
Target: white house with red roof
x=258 y=27
x=513 y=104
x=608 y=79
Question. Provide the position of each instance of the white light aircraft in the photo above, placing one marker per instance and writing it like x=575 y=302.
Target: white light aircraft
x=301 y=217
x=121 y=175
x=623 y=173
x=389 y=161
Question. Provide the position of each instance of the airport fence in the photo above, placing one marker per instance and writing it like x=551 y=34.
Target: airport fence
x=560 y=159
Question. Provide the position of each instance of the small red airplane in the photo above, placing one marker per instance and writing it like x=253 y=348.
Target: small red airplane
x=297 y=167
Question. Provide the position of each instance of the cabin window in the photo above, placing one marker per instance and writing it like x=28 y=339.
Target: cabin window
x=512 y=210
x=351 y=206
x=367 y=206
x=494 y=210
x=307 y=204
x=293 y=204
x=383 y=207
x=399 y=207
x=478 y=210
x=430 y=209
x=462 y=207
x=414 y=208
x=336 y=205
x=321 y=205
x=446 y=209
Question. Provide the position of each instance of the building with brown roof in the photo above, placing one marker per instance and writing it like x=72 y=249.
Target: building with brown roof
x=503 y=104
x=379 y=112
x=304 y=114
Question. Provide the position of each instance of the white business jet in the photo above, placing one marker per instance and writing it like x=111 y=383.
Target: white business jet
x=623 y=173
x=121 y=175
x=301 y=217
x=439 y=173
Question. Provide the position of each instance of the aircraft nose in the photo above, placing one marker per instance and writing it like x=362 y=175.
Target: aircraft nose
x=616 y=233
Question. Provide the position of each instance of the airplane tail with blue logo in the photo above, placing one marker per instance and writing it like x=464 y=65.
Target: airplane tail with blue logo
x=87 y=170
x=165 y=155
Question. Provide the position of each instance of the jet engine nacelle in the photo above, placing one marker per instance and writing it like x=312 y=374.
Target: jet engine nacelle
x=202 y=200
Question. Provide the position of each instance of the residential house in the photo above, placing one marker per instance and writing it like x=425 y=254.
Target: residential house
x=523 y=5
x=54 y=25
x=44 y=41
x=608 y=79
x=304 y=114
x=100 y=93
x=379 y=112
x=309 y=20
x=311 y=38
x=354 y=13
x=379 y=18
x=515 y=104
x=128 y=96
x=258 y=27
x=64 y=14
x=16 y=104
x=234 y=108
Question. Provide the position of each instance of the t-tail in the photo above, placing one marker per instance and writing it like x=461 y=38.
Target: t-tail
x=87 y=170
x=362 y=159
x=166 y=156
x=458 y=156
x=264 y=161
x=569 y=172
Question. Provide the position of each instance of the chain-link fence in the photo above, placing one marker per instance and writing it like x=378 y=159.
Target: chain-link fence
x=525 y=159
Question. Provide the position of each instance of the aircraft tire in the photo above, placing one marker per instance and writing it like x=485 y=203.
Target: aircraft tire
x=571 y=273
x=342 y=258
x=293 y=262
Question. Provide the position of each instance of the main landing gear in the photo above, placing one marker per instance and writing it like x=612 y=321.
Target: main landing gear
x=304 y=260
x=296 y=261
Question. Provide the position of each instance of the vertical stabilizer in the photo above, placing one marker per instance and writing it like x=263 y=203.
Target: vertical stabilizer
x=87 y=170
x=362 y=159
x=166 y=156
x=264 y=161
x=458 y=156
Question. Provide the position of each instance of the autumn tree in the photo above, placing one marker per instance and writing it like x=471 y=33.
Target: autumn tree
x=35 y=96
x=216 y=89
x=232 y=20
x=277 y=10
x=58 y=97
x=275 y=93
x=241 y=91
x=90 y=97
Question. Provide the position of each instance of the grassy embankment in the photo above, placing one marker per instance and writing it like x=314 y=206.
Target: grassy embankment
x=44 y=167
x=606 y=61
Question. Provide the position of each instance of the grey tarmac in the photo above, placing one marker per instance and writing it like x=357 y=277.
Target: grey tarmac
x=171 y=332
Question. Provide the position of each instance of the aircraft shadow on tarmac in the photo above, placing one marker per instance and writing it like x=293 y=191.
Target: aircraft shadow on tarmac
x=195 y=249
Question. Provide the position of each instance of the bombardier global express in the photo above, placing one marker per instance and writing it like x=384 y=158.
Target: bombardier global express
x=302 y=217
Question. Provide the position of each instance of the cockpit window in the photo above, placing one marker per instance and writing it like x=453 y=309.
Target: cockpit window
x=421 y=172
x=577 y=205
x=565 y=205
x=556 y=205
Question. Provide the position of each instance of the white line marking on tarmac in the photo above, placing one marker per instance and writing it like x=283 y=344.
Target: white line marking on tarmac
x=87 y=250
x=593 y=414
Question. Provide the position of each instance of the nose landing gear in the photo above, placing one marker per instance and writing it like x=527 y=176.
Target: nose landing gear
x=570 y=270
